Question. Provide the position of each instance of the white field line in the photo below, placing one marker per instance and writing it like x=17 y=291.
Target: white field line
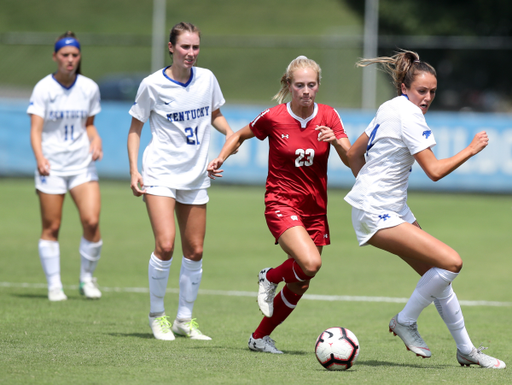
x=314 y=297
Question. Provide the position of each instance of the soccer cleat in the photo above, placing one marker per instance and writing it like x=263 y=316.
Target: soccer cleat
x=265 y=345
x=161 y=328
x=55 y=295
x=266 y=293
x=90 y=289
x=476 y=357
x=410 y=337
x=190 y=329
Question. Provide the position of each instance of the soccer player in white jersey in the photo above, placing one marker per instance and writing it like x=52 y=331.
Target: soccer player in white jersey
x=381 y=159
x=182 y=102
x=66 y=144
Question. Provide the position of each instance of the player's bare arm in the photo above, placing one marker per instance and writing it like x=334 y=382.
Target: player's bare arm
x=36 y=132
x=231 y=145
x=438 y=168
x=342 y=145
x=96 y=148
x=136 y=182
x=356 y=153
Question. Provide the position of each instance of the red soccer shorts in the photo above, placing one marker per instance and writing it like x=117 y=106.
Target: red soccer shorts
x=281 y=218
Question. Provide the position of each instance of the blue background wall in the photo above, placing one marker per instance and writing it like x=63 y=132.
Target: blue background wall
x=489 y=171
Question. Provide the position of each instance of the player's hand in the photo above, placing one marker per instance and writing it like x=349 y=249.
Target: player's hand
x=43 y=167
x=325 y=134
x=479 y=142
x=137 y=184
x=96 y=148
x=213 y=169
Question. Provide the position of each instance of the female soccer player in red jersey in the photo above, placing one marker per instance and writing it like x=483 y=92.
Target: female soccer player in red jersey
x=299 y=133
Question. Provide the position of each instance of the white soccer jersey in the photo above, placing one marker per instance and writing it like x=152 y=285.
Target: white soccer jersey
x=65 y=110
x=180 y=117
x=397 y=132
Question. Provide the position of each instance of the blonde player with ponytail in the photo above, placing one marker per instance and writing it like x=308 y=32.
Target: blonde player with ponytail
x=300 y=134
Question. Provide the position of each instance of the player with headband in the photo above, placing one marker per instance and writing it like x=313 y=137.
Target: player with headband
x=66 y=145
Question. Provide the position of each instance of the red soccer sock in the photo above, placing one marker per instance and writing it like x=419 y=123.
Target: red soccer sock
x=289 y=271
x=284 y=303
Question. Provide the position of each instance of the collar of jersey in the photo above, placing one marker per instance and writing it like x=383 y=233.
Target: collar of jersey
x=178 y=83
x=62 y=85
x=303 y=122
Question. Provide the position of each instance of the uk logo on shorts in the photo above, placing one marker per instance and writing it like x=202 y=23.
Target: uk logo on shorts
x=294 y=218
x=278 y=213
x=43 y=179
x=384 y=217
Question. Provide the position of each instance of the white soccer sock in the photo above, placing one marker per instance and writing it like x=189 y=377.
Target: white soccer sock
x=431 y=285
x=190 y=279
x=158 y=274
x=449 y=309
x=49 y=254
x=90 y=253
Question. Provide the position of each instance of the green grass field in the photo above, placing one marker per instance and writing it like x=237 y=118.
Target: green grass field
x=109 y=341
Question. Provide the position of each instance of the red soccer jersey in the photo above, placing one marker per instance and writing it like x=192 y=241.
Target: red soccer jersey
x=297 y=165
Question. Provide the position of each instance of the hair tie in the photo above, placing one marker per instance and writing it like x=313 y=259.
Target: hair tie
x=67 y=41
x=416 y=61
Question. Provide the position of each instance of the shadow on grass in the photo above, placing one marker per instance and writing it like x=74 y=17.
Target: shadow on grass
x=31 y=296
x=146 y=336
x=375 y=363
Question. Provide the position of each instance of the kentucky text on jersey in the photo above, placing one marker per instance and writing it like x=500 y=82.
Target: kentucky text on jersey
x=69 y=114
x=188 y=115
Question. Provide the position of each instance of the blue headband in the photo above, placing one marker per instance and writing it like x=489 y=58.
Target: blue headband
x=65 y=42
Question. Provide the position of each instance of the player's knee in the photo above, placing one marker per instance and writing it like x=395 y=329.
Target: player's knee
x=91 y=224
x=165 y=249
x=455 y=263
x=51 y=230
x=312 y=266
x=195 y=254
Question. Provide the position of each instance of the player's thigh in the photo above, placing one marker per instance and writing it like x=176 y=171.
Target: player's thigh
x=161 y=216
x=416 y=247
x=87 y=198
x=192 y=224
x=297 y=243
x=51 y=209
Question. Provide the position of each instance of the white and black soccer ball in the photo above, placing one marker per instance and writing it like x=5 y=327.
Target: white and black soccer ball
x=337 y=348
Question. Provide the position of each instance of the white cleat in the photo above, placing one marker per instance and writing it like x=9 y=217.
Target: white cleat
x=56 y=295
x=410 y=337
x=189 y=329
x=90 y=289
x=265 y=345
x=161 y=328
x=476 y=357
x=266 y=293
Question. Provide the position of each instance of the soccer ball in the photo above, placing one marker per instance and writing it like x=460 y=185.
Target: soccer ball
x=337 y=348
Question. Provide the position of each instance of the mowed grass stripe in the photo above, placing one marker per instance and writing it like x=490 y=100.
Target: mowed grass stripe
x=235 y=293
